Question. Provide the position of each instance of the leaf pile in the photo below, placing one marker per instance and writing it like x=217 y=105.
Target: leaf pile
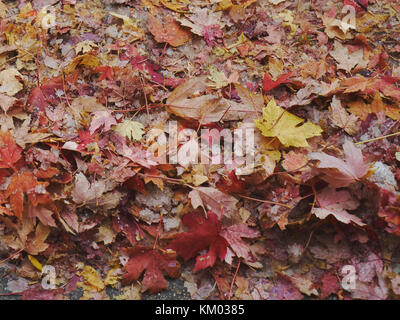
x=94 y=183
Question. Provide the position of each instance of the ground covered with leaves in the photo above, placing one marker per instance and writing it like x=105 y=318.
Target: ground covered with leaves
x=88 y=87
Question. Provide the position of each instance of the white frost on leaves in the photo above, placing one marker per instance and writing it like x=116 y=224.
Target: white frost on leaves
x=17 y=285
x=295 y=251
x=383 y=176
x=170 y=223
x=155 y=198
x=149 y=216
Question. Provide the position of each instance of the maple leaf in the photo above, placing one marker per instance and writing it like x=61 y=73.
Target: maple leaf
x=332 y=202
x=202 y=107
x=152 y=262
x=87 y=60
x=23 y=136
x=131 y=129
x=41 y=97
x=30 y=238
x=269 y=84
x=203 y=233
x=200 y=18
x=21 y=184
x=211 y=33
x=10 y=153
x=362 y=109
x=168 y=31
x=342 y=119
x=330 y=284
x=128 y=226
x=92 y=278
x=106 y=72
x=43 y=214
x=389 y=209
x=277 y=122
x=234 y=235
x=294 y=161
x=339 y=173
x=347 y=61
x=186 y=102
x=9 y=84
x=6 y=102
x=176 y=5
x=101 y=118
x=213 y=199
x=219 y=78
x=84 y=191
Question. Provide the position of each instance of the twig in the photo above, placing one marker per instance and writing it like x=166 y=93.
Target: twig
x=265 y=201
x=233 y=280
x=379 y=138
x=12 y=256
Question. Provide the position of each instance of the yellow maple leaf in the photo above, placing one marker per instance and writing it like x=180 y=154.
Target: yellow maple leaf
x=279 y=123
x=87 y=60
x=92 y=278
x=131 y=129
x=176 y=5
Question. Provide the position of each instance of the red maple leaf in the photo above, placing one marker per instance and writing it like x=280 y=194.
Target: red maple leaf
x=203 y=234
x=231 y=184
x=152 y=262
x=389 y=210
x=41 y=97
x=10 y=153
x=269 y=84
x=330 y=285
x=125 y=224
x=106 y=72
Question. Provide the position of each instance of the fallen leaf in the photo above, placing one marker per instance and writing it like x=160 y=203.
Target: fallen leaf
x=234 y=235
x=339 y=173
x=23 y=183
x=131 y=129
x=168 y=31
x=10 y=153
x=152 y=262
x=102 y=118
x=9 y=84
x=6 y=102
x=203 y=233
x=332 y=202
x=342 y=119
x=269 y=84
x=294 y=161
x=84 y=191
x=213 y=199
x=277 y=122
x=92 y=278
x=362 y=109
x=346 y=60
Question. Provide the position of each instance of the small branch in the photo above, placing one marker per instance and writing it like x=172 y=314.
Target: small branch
x=266 y=201
x=379 y=138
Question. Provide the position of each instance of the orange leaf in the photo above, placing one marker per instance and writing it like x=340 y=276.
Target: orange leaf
x=10 y=153
x=21 y=184
x=168 y=31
